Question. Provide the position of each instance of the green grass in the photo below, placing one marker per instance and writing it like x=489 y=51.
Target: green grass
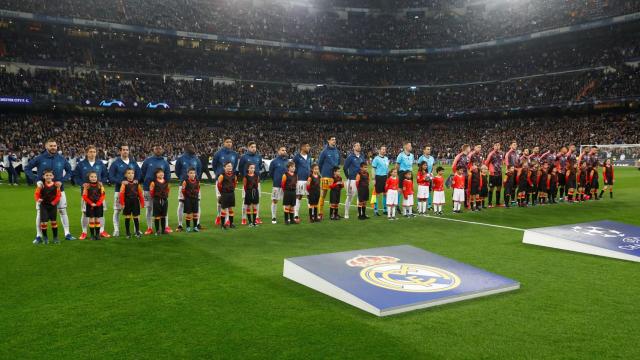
x=222 y=295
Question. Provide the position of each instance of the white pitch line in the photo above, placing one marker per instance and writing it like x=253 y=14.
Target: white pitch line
x=444 y=218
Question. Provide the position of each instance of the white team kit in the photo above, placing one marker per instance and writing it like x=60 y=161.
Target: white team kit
x=438 y=197
x=301 y=188
x=351 y=188
x=408 y=201
x=392 y=197
x=423 y=192
x=277 y=193
x=458 y=195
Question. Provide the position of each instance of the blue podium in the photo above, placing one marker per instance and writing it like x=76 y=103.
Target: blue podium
x=603 y=238
x=392 y=280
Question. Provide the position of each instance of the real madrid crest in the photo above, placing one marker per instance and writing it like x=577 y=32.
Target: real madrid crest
x=386 y=272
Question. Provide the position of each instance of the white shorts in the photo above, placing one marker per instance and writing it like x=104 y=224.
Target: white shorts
x=423 y=192
x=277 y=193
x=438 y=197
x=352 y=189
x=408 y=201
x=62 y=204
x=392 y=197
x=458 y=195
x=301 y=188
x=116 y=201
x=147 y=200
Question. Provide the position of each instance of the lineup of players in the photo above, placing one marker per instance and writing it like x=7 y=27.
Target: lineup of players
x=526 y=179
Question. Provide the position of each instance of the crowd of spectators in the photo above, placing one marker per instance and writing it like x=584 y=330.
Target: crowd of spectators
x=24 y=135
x=91 y=88
x=56 y=46
x=296 y=23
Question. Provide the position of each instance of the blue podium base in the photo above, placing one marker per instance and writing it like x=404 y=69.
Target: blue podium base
x=391 y=280
x=602 y=238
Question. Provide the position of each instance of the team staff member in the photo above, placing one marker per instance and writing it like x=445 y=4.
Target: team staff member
x=351 y=168
x=302 y=160
x=51 y=159
x=117 y=172
x=188 y=160
x=380 y=165
x=220 y=158
x=329 y=159
x=251 y=157
x=149 y=167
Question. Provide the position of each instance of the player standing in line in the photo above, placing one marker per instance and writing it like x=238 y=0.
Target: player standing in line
x=131 y=200
x=542 y=183
x=302 y=160
x=329 y=158
x=561 y=166
x=226 y=185
x=426 y=157
x=607 y=177
x=117 y=174
x=190 y=189
x=224 y=155
x=494 y=162
x=459 y=181
x=251 y=157
x=93 y=197
x=188 y=160
x=404 y=162
x=592 y=165
x=362 y=184
x=380 y=165
x=251 y=189
x=47 y=197
x=351 y=168
x=50 y=159
x=288 y=185
x=334 y=196
x=391 y=188
x=277 y=168
x=583 y=175
x=149 y=169
x=424 y=180
x=553 y=185
x=90 y=164
x=313 y=188
x=438 y=191
x=571 y=181
x=474 y=182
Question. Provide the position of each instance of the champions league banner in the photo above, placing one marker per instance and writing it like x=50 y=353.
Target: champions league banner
x=392 y=280
x=603 y=238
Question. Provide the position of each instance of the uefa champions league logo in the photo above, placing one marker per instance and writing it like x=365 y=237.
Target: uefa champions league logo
x=633 y=243
x=597 y=231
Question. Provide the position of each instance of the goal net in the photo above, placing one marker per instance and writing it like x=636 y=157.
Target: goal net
x=620 y=154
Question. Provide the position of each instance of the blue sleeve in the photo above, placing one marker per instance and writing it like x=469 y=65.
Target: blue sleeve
x=138 y=172
x=105 y=173
x=178 y=167
x=321 y=159
x=76 y=175
x=143 y=171
x=347 y=164
x=67 y=172
x=199 y=169
x=112 y=173
x=260 y=164
x=241 y=165
x=214 y=162
x=28 y=171
x=272 y=166
x=167 y=170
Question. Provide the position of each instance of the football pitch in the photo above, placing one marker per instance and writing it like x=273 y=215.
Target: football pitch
x=221 y=294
